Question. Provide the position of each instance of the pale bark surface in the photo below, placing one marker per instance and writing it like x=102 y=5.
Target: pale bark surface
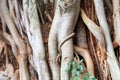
x=48 y=39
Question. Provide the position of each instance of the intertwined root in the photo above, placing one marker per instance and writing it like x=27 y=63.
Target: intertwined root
x=111 y=58
x=63 y=25
x=20 y=35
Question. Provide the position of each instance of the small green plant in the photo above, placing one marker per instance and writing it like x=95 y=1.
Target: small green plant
x=75 y=68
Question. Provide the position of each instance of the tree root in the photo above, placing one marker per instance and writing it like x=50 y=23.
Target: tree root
x=85 y=54
x=19 y=42
x=112 y=61
x=34 y=34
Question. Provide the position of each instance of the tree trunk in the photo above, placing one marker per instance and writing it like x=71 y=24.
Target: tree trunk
x=59 y=40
